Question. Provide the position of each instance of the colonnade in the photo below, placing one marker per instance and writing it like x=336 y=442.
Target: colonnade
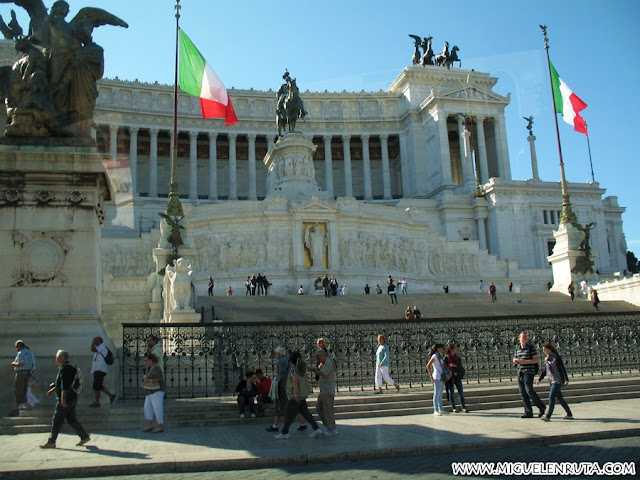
x=232 y=137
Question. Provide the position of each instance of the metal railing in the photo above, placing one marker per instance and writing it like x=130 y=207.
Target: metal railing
x=202 y=360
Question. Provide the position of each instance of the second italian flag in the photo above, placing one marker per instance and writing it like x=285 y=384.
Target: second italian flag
x=568 y=103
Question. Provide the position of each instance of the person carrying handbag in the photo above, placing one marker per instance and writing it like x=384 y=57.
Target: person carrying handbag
x=457 y=374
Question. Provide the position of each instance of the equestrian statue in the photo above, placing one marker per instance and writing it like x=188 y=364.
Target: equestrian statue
x=289 y=106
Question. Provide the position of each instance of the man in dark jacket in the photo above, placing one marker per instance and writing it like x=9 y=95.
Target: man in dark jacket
x=67 y=400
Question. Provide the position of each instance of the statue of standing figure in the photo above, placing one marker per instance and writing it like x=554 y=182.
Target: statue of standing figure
x=72 y=63
x=289 y=106
x=316 y=241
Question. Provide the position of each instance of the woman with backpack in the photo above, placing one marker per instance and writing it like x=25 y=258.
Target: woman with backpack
x=554 y=369
x=439 y=376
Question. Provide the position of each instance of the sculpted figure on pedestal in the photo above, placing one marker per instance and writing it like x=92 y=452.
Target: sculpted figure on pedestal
x=289 y=106
x=54 y=94
x=178 y=285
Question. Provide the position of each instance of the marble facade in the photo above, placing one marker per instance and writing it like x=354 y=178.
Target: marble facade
x=414 y=181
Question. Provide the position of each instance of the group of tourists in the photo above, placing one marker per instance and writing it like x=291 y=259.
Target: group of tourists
x=256 y=285
x=290 y=388
x=589 y=293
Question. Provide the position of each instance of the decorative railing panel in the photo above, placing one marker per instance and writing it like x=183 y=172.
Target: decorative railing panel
x=202 y=360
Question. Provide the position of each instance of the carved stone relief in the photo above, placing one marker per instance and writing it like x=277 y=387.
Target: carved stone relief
x=42 y=257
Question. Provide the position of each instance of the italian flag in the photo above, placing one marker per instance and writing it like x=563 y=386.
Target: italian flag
x=567 y=102
x=197 y=78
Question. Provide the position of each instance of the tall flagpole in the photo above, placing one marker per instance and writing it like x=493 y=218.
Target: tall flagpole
x=174 y=214
x=174 y=207
x=593 y=178
x=567 y=213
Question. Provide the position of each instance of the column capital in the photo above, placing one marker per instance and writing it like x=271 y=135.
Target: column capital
x=460 y=118
x=193 y=134
x=384 y=137
x=134 y=130
x=154 y=132
x=365 y=137
x=212 y=135
x=327 y=138
x=531 y=138
x=232 y=136
x=114 y=128
x=346 y=138
x=252 y=137
x=480 y=119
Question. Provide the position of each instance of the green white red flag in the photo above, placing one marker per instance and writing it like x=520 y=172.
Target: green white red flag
x=197 y=78
x=567 y=103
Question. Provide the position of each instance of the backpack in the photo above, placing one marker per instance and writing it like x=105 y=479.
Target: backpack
x=78 y=381
x=109 y=358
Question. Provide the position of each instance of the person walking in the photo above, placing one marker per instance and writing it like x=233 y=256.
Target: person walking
x=554 y=369
x=32 y=400
x=210 y=288
x=247 y=285
x=391 y=290
x=153 y=384
x=382 y=365
x=326 y=286
x=492 y=292
x=99 y=370
x=22 y=366
x=326 y=372
x=457 y=374
x=571 y=291
x=526 y=358
x=67 y=399
x=595 y=300
x=437 y=369
x=298 y=389
x=282 y=371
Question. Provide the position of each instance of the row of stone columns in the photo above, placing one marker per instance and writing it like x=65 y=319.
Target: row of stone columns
x=466 y=157
x=233 y=184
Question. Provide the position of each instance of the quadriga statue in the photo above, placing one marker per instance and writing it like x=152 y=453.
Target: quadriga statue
x=51 y=90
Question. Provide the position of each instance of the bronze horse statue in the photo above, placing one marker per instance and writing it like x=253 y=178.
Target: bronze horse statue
x=291 y=109
x=446 y=59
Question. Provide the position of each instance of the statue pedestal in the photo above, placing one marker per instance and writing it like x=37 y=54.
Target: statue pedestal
x=564 y=258
x=51 y=212
x=291 y=170
x=184 y=316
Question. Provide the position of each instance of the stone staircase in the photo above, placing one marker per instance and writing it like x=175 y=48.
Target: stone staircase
x=409 y=401
x=312 y=308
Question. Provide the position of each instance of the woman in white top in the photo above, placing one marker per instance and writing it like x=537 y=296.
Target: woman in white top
x=437 y=376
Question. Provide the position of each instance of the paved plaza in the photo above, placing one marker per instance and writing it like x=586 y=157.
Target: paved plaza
x=367 y=441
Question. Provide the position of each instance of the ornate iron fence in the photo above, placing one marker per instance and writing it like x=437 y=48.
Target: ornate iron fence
x=204 y=360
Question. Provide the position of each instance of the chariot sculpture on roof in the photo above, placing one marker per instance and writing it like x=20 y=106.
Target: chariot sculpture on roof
x=444 y=59
x=289 y=106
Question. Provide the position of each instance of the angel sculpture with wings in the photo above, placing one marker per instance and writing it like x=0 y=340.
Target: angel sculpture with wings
x=74 y=64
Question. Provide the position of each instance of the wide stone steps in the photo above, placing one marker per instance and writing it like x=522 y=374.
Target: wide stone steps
x=223 y=410
x=316 y=308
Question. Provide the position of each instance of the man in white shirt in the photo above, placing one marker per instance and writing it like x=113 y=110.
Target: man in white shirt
x=99 y=370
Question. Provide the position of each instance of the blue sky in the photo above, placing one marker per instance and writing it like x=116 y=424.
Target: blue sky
x=356 y=45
